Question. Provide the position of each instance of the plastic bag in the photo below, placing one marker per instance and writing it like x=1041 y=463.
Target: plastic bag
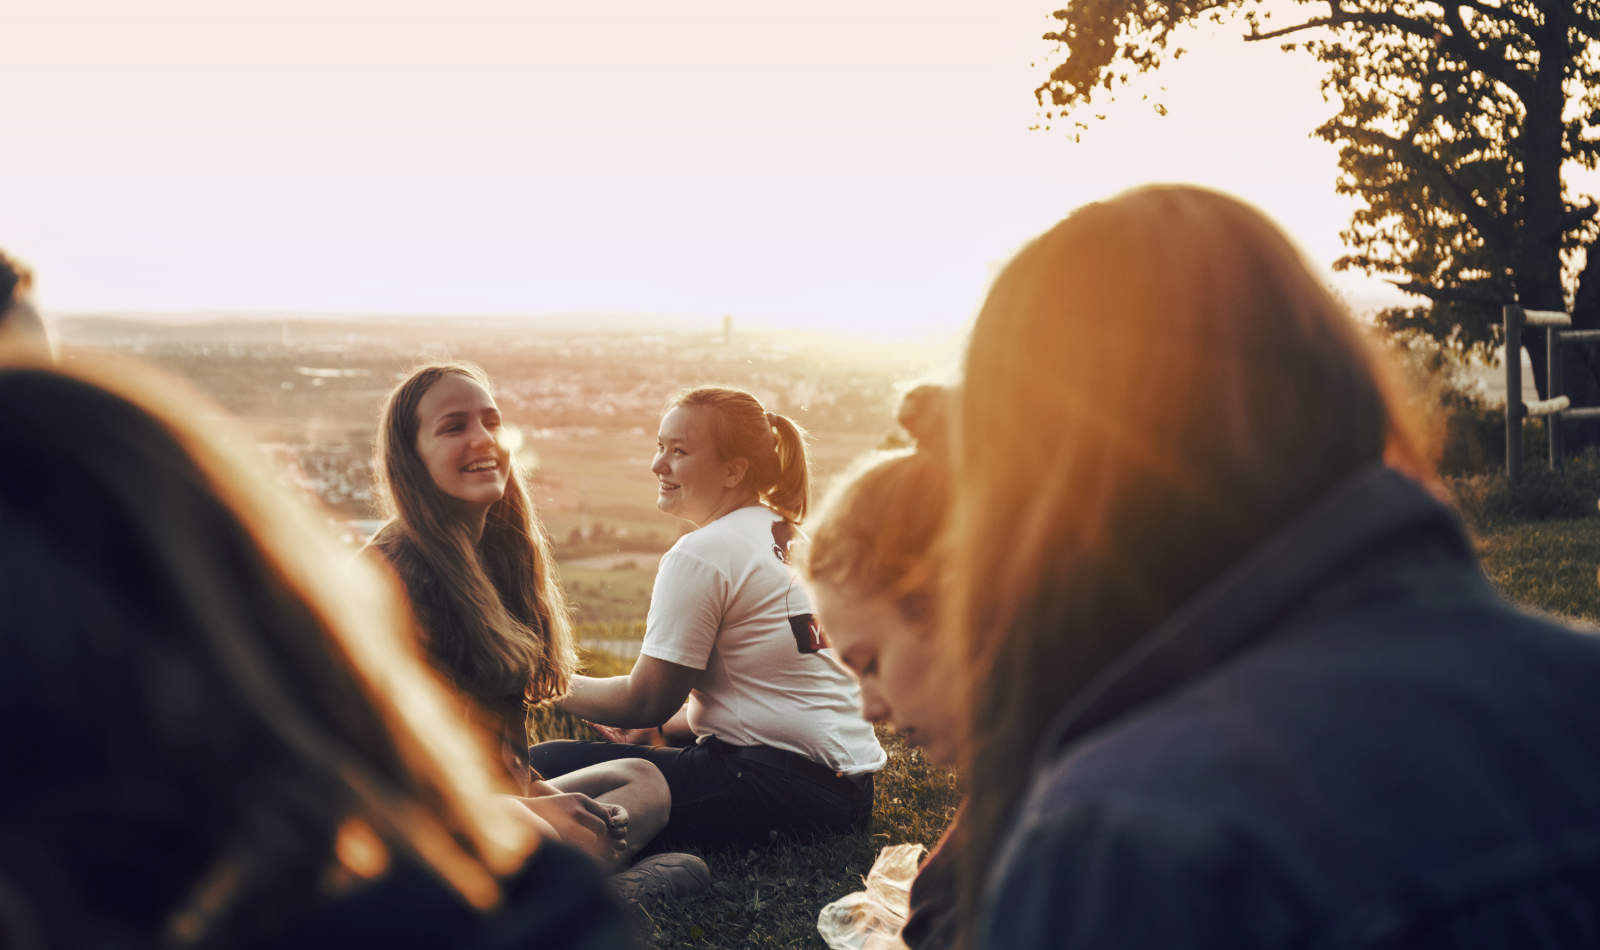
x=871 y=919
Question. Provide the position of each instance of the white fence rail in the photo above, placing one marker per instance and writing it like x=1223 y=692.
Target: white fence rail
x=1555 y=409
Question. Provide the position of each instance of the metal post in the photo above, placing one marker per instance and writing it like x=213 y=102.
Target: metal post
x=1552 y=422
x=1512 y=315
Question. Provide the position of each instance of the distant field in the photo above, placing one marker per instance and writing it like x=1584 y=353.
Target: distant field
x=586 y=398
x=603 y=596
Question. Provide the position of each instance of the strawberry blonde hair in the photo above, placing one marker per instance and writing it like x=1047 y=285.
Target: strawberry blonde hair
x=773 y=444
x=1153 y=386
x=878 y=530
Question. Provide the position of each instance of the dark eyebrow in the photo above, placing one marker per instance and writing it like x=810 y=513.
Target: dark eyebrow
x=450 y=416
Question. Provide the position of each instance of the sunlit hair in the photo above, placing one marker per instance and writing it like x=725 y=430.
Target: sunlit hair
x=15 y=280
x=20 y=323
x=1152 y=387
x=773 y=444
x=877 y=531
x=214 y=714
x=493 y=614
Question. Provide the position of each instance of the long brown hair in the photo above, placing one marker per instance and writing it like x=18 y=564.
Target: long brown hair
x=213 y=706
x=1152 y=387
x=774 y=445
x=493 y=613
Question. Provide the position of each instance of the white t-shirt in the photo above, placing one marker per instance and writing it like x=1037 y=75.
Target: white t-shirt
x=726 y=602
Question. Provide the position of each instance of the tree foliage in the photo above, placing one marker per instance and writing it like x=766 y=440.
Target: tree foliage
x=1454 y=123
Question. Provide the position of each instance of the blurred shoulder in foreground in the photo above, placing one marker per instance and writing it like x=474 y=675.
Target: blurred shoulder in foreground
x=219 y=733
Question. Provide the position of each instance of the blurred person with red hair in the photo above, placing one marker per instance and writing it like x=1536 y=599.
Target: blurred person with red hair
x=873 y=564
x=1232 y=674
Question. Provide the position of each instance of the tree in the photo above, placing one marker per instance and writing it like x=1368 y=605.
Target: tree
x=1455 y=122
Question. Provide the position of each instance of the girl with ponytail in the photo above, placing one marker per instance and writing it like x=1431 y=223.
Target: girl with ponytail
x=779 y=743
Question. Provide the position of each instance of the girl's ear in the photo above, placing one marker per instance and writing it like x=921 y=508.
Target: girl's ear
x=736 y=469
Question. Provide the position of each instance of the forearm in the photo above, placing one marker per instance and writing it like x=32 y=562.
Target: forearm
x=612 y=701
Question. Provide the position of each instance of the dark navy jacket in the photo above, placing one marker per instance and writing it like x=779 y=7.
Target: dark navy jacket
x=1348 y=741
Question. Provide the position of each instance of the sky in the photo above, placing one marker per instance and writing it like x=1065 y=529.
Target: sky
x=852 y=166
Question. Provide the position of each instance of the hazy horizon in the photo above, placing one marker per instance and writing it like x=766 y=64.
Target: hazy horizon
x=861 y=168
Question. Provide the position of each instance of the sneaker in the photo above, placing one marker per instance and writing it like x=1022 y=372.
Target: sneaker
x=660 y=877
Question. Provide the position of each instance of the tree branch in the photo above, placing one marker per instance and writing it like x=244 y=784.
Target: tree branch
x=1254 y=37
x=1461 y=42
x=1449 y=294
x=1576 y=216
x=1524 y=24
x=1456 y=42
x=1482 y=219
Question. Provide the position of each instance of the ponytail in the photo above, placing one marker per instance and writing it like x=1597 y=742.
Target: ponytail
x=772 y=443
x=791 y=489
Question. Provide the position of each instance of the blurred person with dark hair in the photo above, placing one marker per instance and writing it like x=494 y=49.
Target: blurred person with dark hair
x=732 y=656
x=1233 y=675
x=19 y=315
x=221 y=732
x=873 y=566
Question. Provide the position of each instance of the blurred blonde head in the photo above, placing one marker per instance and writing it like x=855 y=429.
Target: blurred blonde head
x=217 y=712
x=1153 y=386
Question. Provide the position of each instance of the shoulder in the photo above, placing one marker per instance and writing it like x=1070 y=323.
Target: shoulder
x=393 y=546
x=390 y=543
x=555 y=900
x=558 y=901
x=729 y=539
x=1130 y=871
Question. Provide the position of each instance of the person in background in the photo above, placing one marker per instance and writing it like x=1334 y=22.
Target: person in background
x=779 y=743
x=466 y=542
x=872 y=565
x=19 y=316
x=219 y=732
x=1234 y=677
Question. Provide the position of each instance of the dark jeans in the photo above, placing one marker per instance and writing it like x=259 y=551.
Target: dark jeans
x=730 y=795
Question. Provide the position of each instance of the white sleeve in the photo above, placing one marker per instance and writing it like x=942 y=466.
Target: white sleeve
x=687 y=605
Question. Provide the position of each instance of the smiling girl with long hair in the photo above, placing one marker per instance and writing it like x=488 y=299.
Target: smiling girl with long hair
x=467 y=544
x=465 y=539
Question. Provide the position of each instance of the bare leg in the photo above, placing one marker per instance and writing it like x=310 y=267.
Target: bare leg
x=635 y=784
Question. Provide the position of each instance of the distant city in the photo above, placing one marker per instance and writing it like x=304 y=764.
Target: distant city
x=584 y=398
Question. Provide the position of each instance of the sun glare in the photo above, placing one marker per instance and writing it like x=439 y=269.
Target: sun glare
x=841 y=167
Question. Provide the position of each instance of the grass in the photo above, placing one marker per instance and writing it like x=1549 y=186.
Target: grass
x=1548 y=566
x=770 y=898
x=610 y=595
